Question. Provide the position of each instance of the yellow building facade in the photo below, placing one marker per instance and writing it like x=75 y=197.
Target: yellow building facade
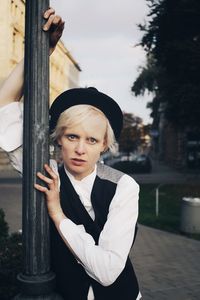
x=64 y=70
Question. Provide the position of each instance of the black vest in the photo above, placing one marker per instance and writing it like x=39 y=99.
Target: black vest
x=72 y=282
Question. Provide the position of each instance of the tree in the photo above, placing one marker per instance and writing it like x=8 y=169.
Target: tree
x=10 y=260
x=131 y=132
x=148 y=81
x=172 y=42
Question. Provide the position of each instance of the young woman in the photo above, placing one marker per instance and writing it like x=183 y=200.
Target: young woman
x=93 y=208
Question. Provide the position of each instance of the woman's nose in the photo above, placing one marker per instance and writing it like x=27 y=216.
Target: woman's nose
x=80 y=147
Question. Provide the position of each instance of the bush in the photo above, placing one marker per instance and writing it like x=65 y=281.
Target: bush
x=10 y=260
x=3 y=226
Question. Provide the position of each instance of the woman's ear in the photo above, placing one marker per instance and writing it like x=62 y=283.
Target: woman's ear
x=105 y=149
x=105 y=144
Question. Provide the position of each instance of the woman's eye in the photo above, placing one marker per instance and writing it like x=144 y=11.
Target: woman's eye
x=92 y=141
x=71 y=137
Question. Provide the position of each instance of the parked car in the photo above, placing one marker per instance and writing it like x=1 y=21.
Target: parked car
x=144 y=162
x=140 y=164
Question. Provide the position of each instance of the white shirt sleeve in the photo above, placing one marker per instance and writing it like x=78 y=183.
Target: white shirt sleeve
x=105 y=261
x=11 y=126
x=11 y=132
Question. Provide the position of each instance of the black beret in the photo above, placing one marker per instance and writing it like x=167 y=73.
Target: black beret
x=90 y=96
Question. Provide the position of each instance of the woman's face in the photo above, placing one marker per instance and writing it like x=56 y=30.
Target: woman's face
x=82 y=144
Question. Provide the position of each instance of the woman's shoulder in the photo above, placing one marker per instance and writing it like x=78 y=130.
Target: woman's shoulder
x=113 y=175
x=108 y=173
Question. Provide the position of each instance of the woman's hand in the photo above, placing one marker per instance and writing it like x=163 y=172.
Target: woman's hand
x=55 y=25
x=52 y=194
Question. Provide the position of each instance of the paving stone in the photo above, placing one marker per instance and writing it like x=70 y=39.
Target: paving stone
x=167 y=265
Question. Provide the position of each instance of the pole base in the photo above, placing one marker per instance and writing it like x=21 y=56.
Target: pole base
x=38 y=287
x=52 y=296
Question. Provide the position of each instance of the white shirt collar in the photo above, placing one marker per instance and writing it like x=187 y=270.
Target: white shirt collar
x=86 y=183
x=84 y=189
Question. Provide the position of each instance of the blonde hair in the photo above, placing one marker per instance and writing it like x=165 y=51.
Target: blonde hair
x=77 y=114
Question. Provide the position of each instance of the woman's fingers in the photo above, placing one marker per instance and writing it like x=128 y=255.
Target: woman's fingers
x=57 y=31
x=48 y=12
x=52 y=182
x=44 y=178
x=51 y=191
x=41 y=188
x=53 y=175
x=54 y=21
x=55 y=25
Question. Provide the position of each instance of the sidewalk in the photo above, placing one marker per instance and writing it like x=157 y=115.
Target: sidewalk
x=167 y=265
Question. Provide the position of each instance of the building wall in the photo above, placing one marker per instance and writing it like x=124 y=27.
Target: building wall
x=172 y=150
x=64 y=70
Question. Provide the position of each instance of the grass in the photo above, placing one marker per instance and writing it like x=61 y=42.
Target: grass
x=170 y=197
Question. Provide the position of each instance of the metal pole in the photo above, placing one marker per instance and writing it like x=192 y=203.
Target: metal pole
x=157 y=201
x=157 y=198
x=37 y=281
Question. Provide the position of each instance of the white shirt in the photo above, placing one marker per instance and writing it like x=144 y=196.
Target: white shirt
x=103 y=262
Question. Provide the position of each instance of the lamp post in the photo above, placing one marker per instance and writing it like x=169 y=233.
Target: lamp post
x=36 y=280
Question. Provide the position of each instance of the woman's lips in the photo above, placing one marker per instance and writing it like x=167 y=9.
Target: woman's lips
x=77 y=162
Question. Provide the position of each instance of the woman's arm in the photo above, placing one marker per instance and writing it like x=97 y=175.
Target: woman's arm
x=12 y=88
x=11 y=91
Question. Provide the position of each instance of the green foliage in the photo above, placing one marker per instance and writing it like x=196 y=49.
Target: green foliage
x=172 y=42
x=10 y=260
x=131 y=133
x=3 y=226
x=146 y=80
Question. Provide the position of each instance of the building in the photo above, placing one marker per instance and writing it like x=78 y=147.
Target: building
x=64 y=70
x=178 y=147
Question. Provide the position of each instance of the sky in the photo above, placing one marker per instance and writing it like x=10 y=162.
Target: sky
x=102 y=37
